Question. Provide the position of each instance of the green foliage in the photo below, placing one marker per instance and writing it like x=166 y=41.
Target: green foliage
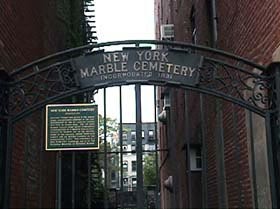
x=70 y=14
x=150 y=170
x=111 y=126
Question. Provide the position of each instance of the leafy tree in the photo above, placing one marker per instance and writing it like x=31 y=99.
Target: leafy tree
x=111 y=126
x=111 y=133
x=150 y=170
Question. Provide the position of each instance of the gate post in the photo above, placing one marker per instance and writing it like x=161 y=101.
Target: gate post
x=274 y=134
x=4 y=142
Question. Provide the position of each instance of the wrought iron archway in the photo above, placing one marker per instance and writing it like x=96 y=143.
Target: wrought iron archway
x=224 y=75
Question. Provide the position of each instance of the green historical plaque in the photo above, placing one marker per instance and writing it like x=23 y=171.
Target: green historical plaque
x=72 y=127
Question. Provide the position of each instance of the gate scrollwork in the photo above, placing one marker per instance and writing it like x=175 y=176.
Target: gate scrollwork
x=48 y=82
x=241 y=84
x=221 y=74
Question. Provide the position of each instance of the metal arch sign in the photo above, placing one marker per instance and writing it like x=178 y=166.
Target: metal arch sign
x=138 y=65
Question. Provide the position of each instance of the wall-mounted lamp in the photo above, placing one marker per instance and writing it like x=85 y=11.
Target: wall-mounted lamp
x=162 y=116
x=165 y=96
x=168 y=184
x=166 y=100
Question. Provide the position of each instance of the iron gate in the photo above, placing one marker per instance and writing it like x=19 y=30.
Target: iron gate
x=57 y=78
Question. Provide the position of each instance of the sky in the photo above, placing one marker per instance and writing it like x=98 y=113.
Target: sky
x=125 y=20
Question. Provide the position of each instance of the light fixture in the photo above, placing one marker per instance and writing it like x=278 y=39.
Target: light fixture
x=168 y=184
x=162 y=116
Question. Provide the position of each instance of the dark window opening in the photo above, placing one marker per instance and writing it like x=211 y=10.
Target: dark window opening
x=195 y=158
x=133 y=135
x=113 y=176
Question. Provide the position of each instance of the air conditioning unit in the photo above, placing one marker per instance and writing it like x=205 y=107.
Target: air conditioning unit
x=167 y=31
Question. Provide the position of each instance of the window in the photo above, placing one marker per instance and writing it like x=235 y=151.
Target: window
x=133 y=147
x=143 y=134
x=113 y=160
x=151 y=147
x=133 y=165
x=134 y=181
x=133 y=135
x=125 y=165
x=143 y=147
x=113 y=176
x=151 y=134
x=125 y=181
x=124 y=136
x=196 y=160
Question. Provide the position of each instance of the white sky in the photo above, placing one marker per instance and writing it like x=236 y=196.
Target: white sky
x=125 y=20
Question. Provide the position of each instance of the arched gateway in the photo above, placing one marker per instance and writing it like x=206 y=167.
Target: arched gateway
x=161 y=63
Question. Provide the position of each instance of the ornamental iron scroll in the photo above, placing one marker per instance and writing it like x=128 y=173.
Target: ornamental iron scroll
x=221 y=74
x=48 y=83
x=245 y=86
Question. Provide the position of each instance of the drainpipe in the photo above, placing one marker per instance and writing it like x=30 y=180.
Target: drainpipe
x=213 y=18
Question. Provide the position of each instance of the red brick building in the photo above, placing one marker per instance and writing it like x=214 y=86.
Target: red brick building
x=31 y=30
x=224 y=177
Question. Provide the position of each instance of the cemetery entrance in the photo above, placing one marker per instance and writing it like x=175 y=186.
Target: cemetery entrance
x=122 y=165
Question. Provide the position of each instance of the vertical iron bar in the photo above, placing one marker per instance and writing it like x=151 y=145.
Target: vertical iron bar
x=139 y=190
x=41 y=155
x=270 y=161
x=26 y=131
x=121 y=149
x=73 y=168
x=73 y=182
x=105 y=153
x=237 y=155
x=187 y=135
x=204 y=154
x=253 y=160
x=2 y=160
x=88 y=97
x=156 y=147
x=276 y=139
x=8 y=163
x=7 y=131
x=58 y=178
x=89 y=180
x=220 y=156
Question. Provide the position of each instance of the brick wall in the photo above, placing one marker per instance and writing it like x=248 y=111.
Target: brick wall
x=250 y=30
x=30 y=30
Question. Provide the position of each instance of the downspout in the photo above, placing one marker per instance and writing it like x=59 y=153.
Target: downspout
x=222 y=192
x=213 y=19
